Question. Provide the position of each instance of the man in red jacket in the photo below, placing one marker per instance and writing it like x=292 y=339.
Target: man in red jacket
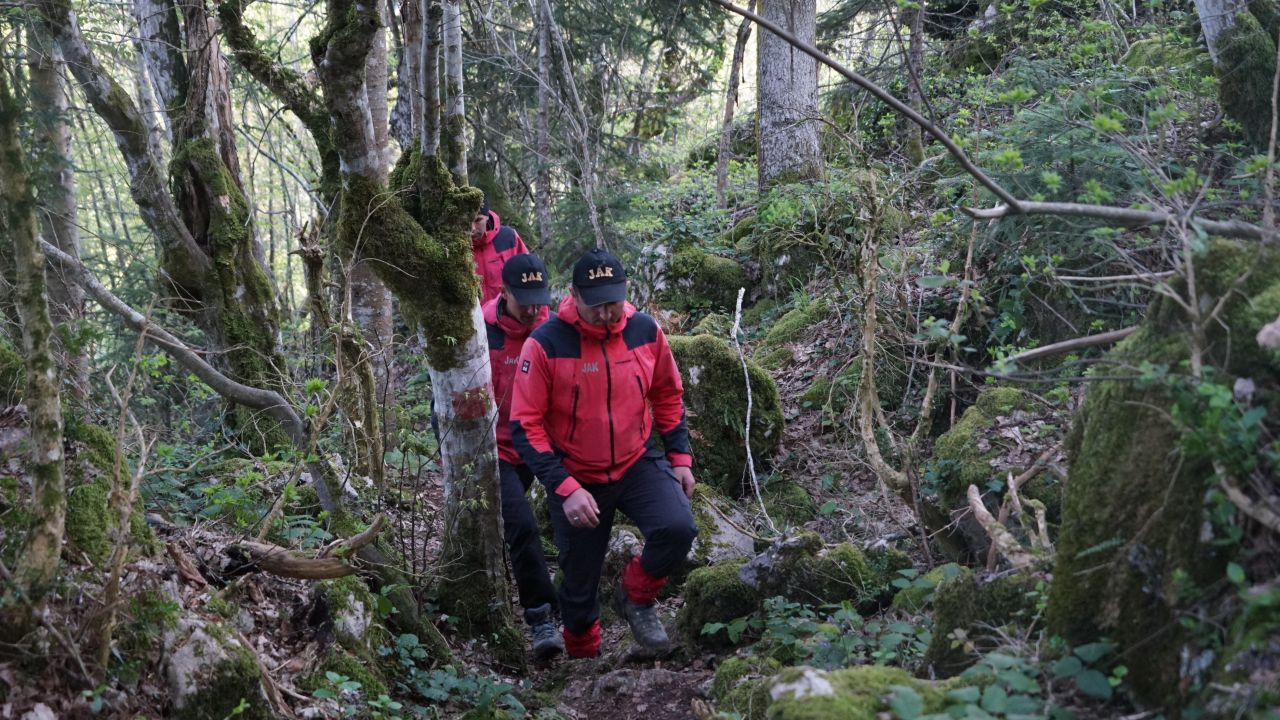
x=522 y=305
x=493 y=245
x=592 y=387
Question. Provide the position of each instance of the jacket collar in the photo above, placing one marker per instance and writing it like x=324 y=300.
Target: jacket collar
x=495 y=313
x=568 y=312
x=491 y=233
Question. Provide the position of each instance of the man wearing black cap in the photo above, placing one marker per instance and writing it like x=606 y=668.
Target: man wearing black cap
x=522 y=305
x=592 y=387
x=493 y=244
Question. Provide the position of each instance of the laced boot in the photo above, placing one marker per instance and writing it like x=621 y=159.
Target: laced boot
x=547 y=642
x=646 y=627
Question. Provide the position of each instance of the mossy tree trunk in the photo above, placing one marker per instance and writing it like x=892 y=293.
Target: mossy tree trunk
x=212 y=261
x=38 y=563
x=55 y=182
x=1244 y=55
x=788 y=96
x=730 y=105
x=455 y=122
x=419 y=235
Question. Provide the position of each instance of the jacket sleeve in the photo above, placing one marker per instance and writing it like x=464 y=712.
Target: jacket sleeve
x=666 y=397
x=530 y=402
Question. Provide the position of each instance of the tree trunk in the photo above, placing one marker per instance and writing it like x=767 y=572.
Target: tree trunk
x=455 y=122
x=430 y=64
x=212 y=261
x=788 y=105
x=1243 y=54
x=730 y=104
x=915 y=72
x=542 y=196
x=55 y=180
x=237 y=300
x=38 y=561
x=419 y=236
x=406 y=116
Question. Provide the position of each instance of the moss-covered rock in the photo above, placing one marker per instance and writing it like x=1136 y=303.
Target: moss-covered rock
x=798 y=320
x=88 y=519
x=741 y=685
x=788 y=503
x=211 y=673
x=1135 y=529
x=337 y=659
x=699 y=280
x=353 y=609
x=715 y=324
x=964 y=456
x=716 y=399
x=1162 y=53
x=885 y=564
x=1246 y=66
x=978 y=609
x=858 y=693
x=719 y=537
x=714 y=594
x=777 y=358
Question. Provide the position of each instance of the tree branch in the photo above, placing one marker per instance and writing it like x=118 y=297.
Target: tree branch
x=1088 y=341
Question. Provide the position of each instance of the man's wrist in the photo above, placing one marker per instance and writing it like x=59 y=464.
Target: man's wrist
x=567 y=487
x=679 y=459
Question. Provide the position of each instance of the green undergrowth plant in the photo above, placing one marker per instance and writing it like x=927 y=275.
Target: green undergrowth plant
x=446 y=687
x=829 y=636
x=352 y=701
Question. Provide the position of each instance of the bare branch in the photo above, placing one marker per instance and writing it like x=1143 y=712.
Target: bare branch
x=1124 y=216
x=1080 y=343
x=1001 y=538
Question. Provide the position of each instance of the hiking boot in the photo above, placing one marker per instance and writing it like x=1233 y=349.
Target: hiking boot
x=643 y=619
x=547 y=642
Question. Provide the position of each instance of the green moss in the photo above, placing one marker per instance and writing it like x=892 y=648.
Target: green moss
x=698 y=280
x=959 y=459
x=12 y=370
x=97 y=446
x=714 y=594
x=884 y=562
x=419 y=235
x=799 y=320
x=1246 y=65
x=788 y=503
x=88 y=520
x=338 y=660
x=716 y=400
x=741 y=685
x=219 y=697
x=858 y=693
x=1160 y=54
x=715 y=324
x=354 y=610
x=840 y=573
x=978 y=609
x=1128 y=548
x=756 y=314
x=777 y=358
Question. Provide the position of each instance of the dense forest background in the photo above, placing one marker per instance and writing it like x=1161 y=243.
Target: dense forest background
x=977 y=308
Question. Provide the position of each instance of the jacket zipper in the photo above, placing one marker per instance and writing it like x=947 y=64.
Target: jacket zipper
x=643 y=404
x=608 y=398
x=573 y=426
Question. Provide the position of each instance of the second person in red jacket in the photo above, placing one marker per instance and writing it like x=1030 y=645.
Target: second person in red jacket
x=522 y=305
x=593 y=387
x=493 y=244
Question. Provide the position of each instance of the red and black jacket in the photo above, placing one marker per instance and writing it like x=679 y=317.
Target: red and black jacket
x=497 y=246
x=581 y=408
x=506 y=337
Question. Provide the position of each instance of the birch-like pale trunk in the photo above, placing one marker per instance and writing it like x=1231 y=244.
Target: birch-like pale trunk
x=55 y=181
x=730 y=105
x=1216 y=18
x=788 y=96
x=406 y=116
x=38 y=561
x=915 y=79
x=455 y=122
x=433 y=274
x=542 y=183
x=432 y=16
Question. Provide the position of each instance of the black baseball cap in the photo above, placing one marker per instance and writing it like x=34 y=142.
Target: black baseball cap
x=600 y=278
x=526 y=277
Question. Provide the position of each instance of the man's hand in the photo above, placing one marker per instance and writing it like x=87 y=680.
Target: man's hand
x=685 y=476
x=581 y=509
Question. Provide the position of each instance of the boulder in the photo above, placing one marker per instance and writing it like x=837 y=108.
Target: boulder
x=211 y=673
